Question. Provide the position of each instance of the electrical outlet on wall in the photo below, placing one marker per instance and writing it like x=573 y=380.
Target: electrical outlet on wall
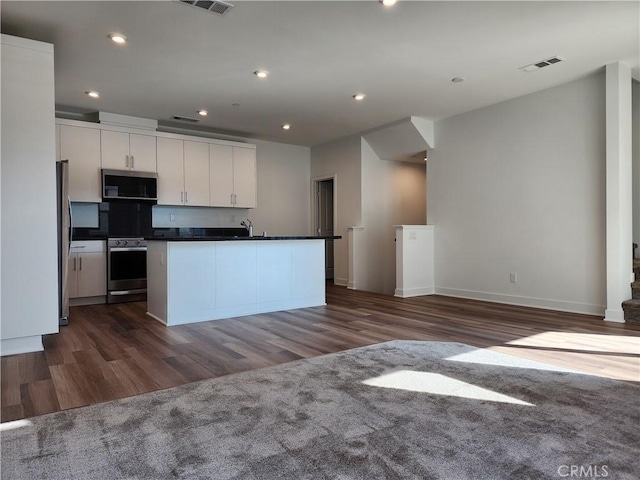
x=513 y=277
x=172 y=217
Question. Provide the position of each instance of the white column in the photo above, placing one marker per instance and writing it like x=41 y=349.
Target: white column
x=619 y=196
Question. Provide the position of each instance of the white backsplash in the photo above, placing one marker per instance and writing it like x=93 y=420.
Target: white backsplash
x=84 y=215
x=175 y=217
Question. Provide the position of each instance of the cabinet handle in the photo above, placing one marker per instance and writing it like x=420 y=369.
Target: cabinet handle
x=235 y=198
x=181 y=197
x=80 y=258
x=186 y=197
x=126 y=162
x=133 y=161
x=232 y=199
x=74 y=263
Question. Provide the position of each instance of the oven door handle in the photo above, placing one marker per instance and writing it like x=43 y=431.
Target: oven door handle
x=127 y=249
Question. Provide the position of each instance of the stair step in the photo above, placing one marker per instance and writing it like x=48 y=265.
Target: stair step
x=631 y=310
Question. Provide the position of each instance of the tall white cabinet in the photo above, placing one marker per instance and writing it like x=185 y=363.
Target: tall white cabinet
x=81 y=146
x=29 y=251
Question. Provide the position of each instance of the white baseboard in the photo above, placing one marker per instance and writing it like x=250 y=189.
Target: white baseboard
x=413 y=292
x=14 y=346
x=614 y=315
x=343 y=282
x=559 y=305
x=80 y=301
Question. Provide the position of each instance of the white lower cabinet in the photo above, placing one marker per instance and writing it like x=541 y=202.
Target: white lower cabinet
x=87 y=269
x=199 y=281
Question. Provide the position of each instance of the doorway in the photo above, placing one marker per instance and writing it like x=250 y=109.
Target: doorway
x=324 y=192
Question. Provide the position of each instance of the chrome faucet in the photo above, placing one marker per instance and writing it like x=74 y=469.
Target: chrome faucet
x=248 y=225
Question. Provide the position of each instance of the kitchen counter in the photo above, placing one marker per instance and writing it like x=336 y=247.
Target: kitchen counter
x=208 y=278
x=236 y=238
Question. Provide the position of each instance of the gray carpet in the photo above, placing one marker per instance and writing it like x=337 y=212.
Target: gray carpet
x=397 y=410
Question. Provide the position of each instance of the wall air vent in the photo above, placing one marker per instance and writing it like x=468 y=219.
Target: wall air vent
x=213 y=6
x=184 y=119
x=541 y=64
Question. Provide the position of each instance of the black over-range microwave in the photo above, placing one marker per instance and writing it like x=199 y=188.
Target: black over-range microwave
x=129 y=185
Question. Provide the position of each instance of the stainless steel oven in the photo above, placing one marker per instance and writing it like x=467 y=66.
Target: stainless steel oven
x=126 y=270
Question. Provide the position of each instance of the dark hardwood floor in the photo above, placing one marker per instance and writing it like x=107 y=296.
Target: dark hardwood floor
x=115 y=351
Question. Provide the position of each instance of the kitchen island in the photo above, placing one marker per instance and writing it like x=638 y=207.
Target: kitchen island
x=196 y=279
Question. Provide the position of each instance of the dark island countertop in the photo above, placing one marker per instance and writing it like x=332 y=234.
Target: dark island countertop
x=239 y=238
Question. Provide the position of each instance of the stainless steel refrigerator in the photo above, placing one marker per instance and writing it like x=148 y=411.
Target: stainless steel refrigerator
x=64 y=239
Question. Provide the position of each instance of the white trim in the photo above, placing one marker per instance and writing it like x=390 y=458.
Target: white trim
x=27 y=43
x=414 y=227
x=155 y=317
x=14 y=346
x=343 y=282
x=153 y=133
x=413 y=292
x=616 y=316
x=547 y=304
x=314 y=212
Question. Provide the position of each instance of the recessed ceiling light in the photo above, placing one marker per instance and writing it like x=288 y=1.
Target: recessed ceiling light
x=118 y=38
x=261 y=73
x=286 y=126
x=457 y=79
x=93 y=93
x=203 y=113
x=359 y=96
x=388 y=3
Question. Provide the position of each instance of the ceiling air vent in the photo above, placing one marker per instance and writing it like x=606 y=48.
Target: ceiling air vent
x=184 y=119
x=541 y=64
x=217 y=7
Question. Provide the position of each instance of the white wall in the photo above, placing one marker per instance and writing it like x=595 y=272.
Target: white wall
x=341 y=158
x=636 y=163
x=520 y=187
x=393 y=193
x=283 y=189
x=28 y=196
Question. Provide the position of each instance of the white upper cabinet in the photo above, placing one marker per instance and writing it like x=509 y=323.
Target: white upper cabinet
x=128 y=151
x=196 y=174
x=232 y=177
x=244 y=177
x=183 y=172
x=170 y=171
x=81 y=146
x=220 y=176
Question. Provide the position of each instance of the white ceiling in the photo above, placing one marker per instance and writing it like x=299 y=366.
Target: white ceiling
x=180 y=58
